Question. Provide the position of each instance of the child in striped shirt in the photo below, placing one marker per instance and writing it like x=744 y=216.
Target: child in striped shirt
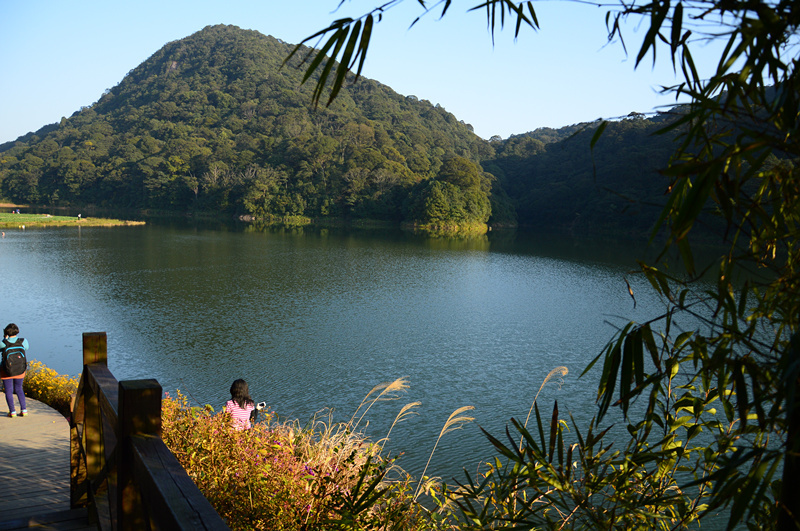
x=241 y=407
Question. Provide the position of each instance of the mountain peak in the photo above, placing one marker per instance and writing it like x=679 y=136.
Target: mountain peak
x=208 y=120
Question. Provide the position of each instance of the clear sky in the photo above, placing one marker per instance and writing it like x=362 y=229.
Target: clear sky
x=60 y=55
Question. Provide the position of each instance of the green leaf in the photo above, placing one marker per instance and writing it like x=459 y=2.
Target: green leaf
x=345 y=61
x=598 y=133
x=686 y=255
x=675 y=38
x=650 y=343
x=693 y=204
x=741 y=392
x=366 y=35
x=743 y=300
x=613 y=358
x=659 y=11
x=626 y=373
x=539 y=424
x=638 y=356
x=553 y=432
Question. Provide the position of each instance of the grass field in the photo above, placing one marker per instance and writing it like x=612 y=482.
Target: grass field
x=9 y=221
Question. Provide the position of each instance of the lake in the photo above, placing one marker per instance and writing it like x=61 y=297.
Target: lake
x=314 y=318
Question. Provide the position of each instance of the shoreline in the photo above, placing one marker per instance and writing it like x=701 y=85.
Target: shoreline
x=23 y=221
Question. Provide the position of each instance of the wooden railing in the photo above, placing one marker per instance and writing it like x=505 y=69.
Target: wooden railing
x=120 y=468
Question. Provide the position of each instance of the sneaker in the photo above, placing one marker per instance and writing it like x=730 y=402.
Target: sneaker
x=12 y=414
x=23 y=412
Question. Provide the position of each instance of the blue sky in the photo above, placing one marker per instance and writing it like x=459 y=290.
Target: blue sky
x=60 y=55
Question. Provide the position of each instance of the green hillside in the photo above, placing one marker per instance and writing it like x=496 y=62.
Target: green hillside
x=216 y=123
x=212 y=122
x=555 y=179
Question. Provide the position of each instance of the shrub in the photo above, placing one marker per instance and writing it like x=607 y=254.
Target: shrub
x=251 y=477
x=282 y=476
x=46 y=385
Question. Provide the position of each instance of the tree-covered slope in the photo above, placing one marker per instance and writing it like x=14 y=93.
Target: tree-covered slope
x=556 y=180
x=214 y=122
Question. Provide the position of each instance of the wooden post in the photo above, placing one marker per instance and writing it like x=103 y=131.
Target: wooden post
x=78 y=483
x=139 y=414
x=86 y=411
x=95 y=348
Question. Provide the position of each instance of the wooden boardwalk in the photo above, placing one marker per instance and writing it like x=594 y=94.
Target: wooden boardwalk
x=35 y=471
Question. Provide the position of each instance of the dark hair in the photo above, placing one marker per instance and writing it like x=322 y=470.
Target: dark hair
x=240 y=393
x=11 y=330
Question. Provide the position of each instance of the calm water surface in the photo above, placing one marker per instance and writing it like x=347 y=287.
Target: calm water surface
x=314 y=319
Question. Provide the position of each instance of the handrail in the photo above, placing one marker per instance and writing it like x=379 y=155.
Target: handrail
x=119 y=466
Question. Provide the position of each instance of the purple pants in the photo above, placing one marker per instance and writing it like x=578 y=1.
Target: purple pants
x=14 y=385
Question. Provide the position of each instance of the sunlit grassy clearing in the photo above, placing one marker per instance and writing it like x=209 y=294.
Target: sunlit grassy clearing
x=8 y=220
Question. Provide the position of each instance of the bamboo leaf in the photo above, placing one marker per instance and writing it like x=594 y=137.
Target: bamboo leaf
x=638 y=356
x=609 y=378
x=321 y=55
x=741 y=393
x=650 y=343
x=598 y=133
x=686 y=255
x=539 y=425
x=553 y=432
x=659 y=11
x=626 y=373
x=344 y=61
x=692 y=205
x=366 y=35
x=675 y=38
x=743 y=300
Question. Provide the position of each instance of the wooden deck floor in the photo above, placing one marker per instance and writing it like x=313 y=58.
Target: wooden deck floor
x=34 y=471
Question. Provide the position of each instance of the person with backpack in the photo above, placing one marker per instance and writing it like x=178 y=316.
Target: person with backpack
x=242 y=408
x=12 y=368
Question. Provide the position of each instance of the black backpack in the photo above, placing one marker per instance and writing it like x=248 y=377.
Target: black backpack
x=14 y=361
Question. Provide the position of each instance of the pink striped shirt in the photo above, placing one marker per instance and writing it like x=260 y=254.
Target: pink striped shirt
x=241 y=417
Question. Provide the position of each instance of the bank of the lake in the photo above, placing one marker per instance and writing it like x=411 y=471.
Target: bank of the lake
x=314 y=317
x=42 y=215
x=23 y=221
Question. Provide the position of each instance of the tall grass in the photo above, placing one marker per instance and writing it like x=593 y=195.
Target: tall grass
x=317 y=476
x=558 y=372
x=454 y=422
x=281 y=475
x=251 y=477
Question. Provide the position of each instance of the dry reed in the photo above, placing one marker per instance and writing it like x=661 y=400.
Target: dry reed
x=454 y=422
x=388 y=391
x=560 y=372
x=405 y=412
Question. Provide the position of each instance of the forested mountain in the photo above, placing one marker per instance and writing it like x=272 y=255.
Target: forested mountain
x=555 y=179
x=214 y=122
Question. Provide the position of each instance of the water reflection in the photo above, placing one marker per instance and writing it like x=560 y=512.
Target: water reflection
x=314 y=318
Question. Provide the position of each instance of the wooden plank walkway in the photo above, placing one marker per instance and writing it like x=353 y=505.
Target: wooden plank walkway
x=34 y=471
